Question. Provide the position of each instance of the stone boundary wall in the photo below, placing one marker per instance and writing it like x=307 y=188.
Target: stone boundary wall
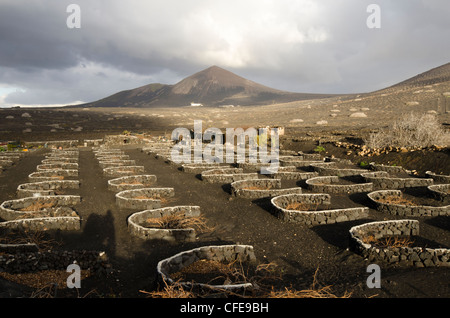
x=136 y=220
x=11 y=209
x=200 y=167
x=57 y=160
x=226 y=175
x=330 y=169
x=57 y=166
x=441 y=192
x=131 y=182
x=388 y=169
x=410 y=256
x=127 y=199
x=438 y=178
x=45 y=188
x=52 y=175
x=377 y=197
x=112 y=157
x=290 y=173
x=64 y=223
x=33 y=261
x=330 y=184
x=116 y=163
x=381 y=180
x=238 y=188
x=313 y=218
x=220 y=253
x=122 y=171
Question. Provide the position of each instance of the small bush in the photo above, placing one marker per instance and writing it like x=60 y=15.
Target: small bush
x=412 y=130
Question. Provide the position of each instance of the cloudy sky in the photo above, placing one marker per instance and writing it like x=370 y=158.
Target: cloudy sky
x=314 y=46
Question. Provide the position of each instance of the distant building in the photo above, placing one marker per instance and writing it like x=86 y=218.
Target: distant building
x=196 y=104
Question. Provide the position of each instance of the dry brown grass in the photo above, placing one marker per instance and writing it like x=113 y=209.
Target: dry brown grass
x=132 y=182
x=301 y=206
x=313 y=292
x=393 y=199
x=256 y=188
x=38 y=206
x=175 y=290
x=42 y=279
x=389 y=241
x=179 y=221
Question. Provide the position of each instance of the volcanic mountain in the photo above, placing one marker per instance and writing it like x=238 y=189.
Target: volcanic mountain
x=213 y=86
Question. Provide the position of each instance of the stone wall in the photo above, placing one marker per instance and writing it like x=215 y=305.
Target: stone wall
x=12 y=209
x=52 y=175
x=409 y=256
x=115 y=163
x=330 y=184
x=45 y=188
x=441 y=192
x=121 y=171
x=134 y=199
x=378 y=198
x=220 y=253
x=382 y=180
x=131 y=182
x=313 y=218
x=227 y=175
x=438 y=178
x=264 y=188
x=136 y=221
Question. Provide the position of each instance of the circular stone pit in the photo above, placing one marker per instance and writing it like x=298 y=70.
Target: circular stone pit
x=116 y=163
x=382 y=180
x=260 y=188
x=138 y=228
x=41 y=213
x=226 y=175
x=143 y=198
x=58 y=174
x=335 y=184
x=393 y=202
x=438 y=178
x=305 y=209
x=122 y=171
x=441 y=192
x=363 y=236
x=220 y=253
x=131 y=182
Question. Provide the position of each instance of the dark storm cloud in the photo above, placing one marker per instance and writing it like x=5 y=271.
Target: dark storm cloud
x=298 y=45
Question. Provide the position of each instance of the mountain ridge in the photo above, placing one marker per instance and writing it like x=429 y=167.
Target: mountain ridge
x=213 y=86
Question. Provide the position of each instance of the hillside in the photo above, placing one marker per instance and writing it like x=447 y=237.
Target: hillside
x=213 y=86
